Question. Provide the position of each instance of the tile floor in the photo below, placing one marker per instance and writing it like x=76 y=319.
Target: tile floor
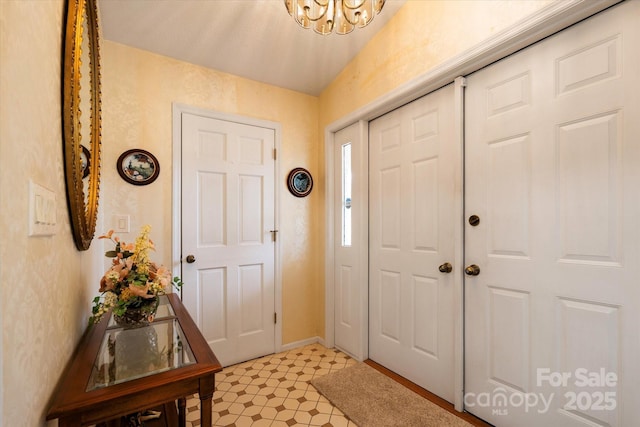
x=275 y=391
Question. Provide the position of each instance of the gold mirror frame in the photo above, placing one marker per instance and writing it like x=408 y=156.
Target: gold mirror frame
x=82 y=31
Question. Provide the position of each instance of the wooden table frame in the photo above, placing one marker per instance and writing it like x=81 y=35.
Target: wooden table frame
x=74 y=406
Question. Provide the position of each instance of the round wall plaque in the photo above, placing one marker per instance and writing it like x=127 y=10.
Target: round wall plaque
x=138 y=167
x=300 y=182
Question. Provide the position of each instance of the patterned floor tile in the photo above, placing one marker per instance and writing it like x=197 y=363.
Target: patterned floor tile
x=275 y=391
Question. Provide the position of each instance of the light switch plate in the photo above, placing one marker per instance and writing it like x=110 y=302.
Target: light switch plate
x=121 y=223
x=42 y=210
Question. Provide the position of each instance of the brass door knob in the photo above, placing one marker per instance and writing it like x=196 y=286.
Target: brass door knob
x=472 y=270
x=445 y=268
x=191 y=259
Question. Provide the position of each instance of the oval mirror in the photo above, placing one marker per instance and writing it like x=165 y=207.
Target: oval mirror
x=81 y=118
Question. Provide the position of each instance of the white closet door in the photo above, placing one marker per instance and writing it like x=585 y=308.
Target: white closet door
x=552 y=170
x=412 y=170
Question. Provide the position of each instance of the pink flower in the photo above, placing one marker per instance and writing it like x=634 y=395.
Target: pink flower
x=122 y=269
x=106 y=284
x=164 y=277
x=129 y=247
x=140 y=291
x=107 y=235
x=116 y=273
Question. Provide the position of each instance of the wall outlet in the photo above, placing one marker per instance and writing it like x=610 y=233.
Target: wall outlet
x=42 y=210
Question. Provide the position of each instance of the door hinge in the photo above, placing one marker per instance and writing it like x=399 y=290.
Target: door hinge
x=274 y=154
x=275 y=318
x=274 y=233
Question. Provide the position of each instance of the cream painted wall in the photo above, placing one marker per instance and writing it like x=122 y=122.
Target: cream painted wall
x=138 y=91
x=45 y=284
x=421 y=35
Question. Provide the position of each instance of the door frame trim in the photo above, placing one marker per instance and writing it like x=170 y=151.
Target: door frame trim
x=176 y=229
x=550 y=19
x=362 y=242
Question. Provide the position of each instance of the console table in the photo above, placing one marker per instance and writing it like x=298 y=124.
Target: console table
x=116 y=371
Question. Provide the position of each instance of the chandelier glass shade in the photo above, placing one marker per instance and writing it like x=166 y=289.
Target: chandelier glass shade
x=325 y=16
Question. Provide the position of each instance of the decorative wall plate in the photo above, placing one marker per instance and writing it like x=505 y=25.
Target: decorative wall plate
x=138 y=167
x=85 y=161
x=300 y=182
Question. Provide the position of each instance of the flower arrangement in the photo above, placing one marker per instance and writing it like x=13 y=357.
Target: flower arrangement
x=133 y=281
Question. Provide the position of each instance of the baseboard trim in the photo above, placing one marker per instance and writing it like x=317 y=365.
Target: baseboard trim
x=302 y=343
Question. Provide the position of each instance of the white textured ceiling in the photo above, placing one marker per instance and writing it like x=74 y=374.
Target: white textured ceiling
x=256 y=39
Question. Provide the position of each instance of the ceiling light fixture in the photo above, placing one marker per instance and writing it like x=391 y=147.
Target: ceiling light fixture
x=326 y=15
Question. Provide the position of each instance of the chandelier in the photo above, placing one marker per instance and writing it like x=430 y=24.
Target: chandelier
x=326 y=15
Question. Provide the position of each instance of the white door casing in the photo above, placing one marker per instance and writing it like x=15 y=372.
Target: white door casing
x=552 y=159
x=350 y=239
x=412 y=170
x=228 y=212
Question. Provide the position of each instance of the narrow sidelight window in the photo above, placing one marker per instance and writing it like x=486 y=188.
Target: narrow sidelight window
x=346 y=194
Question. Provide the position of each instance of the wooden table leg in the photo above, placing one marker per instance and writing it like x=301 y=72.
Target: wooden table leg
x=71 y=421
x=182 y=413
x=206 y=396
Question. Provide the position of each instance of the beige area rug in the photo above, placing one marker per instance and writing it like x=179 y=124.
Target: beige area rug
x=371 y=399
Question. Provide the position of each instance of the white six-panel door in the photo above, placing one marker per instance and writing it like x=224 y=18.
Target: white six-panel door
x=227 y=218
x=412 y=171
x=552 y=166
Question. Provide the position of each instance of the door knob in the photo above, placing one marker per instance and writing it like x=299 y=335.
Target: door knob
x=472 y=270
x=474 y=220
x=191 y=259
x=445 y=268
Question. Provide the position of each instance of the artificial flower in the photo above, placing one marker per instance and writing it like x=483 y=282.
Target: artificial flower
x=133 y=279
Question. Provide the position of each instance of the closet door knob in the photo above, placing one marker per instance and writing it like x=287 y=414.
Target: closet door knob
x=191 y=259
x=445 y=268
x=472 y=270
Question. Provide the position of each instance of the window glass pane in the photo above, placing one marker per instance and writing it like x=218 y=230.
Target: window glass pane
x=346 y=195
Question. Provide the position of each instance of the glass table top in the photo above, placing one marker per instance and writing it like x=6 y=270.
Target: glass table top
x=130 y=353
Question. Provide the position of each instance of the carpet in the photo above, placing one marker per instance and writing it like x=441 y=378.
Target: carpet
x=371 y=399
